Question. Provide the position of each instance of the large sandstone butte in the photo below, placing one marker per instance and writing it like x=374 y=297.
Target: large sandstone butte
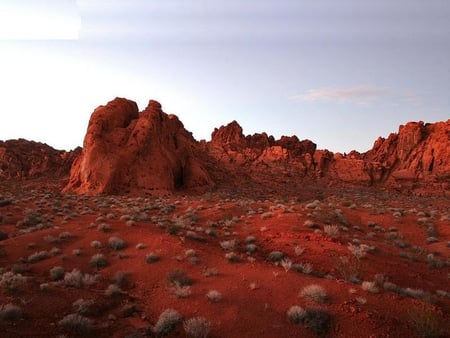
x=126 y=151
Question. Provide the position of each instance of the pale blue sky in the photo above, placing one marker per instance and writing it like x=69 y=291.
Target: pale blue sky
x=338 y=72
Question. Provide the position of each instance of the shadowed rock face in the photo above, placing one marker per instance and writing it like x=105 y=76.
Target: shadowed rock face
x=126 y=151
x=21 y=159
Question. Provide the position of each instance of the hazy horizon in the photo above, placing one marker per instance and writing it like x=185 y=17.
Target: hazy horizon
x=340 y=73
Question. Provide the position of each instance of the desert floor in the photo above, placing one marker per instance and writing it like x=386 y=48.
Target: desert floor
x=357 y=262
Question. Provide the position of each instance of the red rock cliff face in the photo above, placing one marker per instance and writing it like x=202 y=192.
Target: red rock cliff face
x=126 y=151
x=21 y=159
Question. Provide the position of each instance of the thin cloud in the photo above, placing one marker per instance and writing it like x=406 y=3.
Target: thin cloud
x=360 y=95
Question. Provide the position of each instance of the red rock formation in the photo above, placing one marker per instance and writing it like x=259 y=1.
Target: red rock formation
x=27 y=159
x=126 y=151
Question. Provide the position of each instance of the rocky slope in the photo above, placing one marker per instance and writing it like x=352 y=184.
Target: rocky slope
x=27 y=159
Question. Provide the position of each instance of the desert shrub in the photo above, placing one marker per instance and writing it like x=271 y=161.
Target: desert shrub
x=286 y=263
x=311 y=224
x=77 y=323
x=232 y=257
x=116 y=243
x=317 y=320
x=314 y=292
x=131 y=223
x=190 y=253
x=275 y=256
x=228 y=245
x=197 y=327
x=214 y=296
x=193 y=235
x=98 y=260
x=298 y=250
x=96 y=244
x=10 y=281
x=38 y=256
x=113 y=290
x=10 y=312
x=305 y=268
x=152 y=257
x=331 y=230
x=167 y=321
x=76 y=279
x=57 y=273
x=250 y=248
x=19 y=268
x=358 y=251
x=104 y=227
x=296 y=314
x=182 y=291
x=65 y=235
x=179 y=277
x=370 y=287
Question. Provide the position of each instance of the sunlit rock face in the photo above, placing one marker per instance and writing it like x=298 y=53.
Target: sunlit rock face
x=126 y=150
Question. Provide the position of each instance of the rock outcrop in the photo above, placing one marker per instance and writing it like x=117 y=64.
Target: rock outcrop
x=126 y=150
x=22 y=159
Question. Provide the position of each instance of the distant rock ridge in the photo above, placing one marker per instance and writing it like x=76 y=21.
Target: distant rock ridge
x=127 y=151
x=22 y=159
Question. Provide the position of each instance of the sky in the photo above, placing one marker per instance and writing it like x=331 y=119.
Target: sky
x=337 y=72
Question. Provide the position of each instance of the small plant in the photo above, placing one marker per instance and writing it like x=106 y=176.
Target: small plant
x=76 y=252
x=96 y=244
x=232 y=257
x=299 y=250
x=197 y=327
x=228 y=245
x=113 y=290
x=296 y=314
x=211 y=272
x=57 y=273
x=65 y=235
x=82 y=306
x=314 y=292
x=370 y=287
x=331 y=230
x=317 y=320
x=38 y=256
x=359 y=251
x=10 y=312
x=167 y=321
x=275 y=256
x=349 y=268
x=10 y=281
x=104 y=227
x=116 y=243
x=179 y=277
x=286 y=263
x=214 y=296
x=77 y=323
x=98 y=261
x=76 y=279
x=152 y=257
x=182 y=291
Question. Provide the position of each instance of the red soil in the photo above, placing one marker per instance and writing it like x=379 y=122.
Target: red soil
x=256 y=293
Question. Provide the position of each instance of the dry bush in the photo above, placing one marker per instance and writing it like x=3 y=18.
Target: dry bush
x=314 y=292
x=197 y=327
x=77 y=323
x=214 y=296
x=167 y=321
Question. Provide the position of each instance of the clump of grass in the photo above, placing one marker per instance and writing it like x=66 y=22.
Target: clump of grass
x=167 y=322
x=56 y=273
x=314 y=292
x=232 y=257
x=370 y=287
x=152 y=257
x=38 y=256
x=82 y=306
x=77 y=323
x=96 y=244
x=182 y=291
x=116 y=243
x=197 y=327
x=275 y=256
x=296 y=314
x=76 y=279
x=428 y=324
x=214 y=296
x=179 y=277
x=211 y=272
x=286 y=263
x=228 y=245
x=98 y=261
x=331 y=230
x=317 y=320
x=10 y=281
x=113 y=290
